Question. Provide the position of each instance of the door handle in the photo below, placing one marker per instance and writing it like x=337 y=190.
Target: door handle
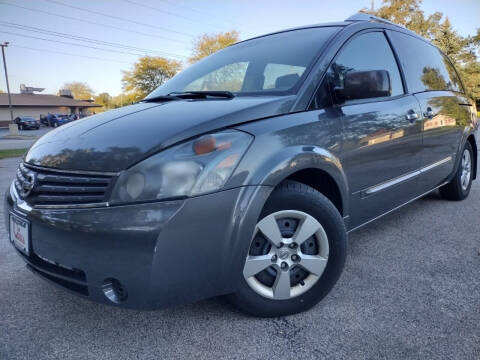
x=412 y=116
x=429 y=113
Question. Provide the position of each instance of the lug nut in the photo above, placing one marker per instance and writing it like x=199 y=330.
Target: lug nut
x=293 y=246
x=280 y=245
x=274 y=258
x=295 y=258
x=284 y=266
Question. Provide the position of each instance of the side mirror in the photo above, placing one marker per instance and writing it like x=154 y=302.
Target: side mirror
x=365 y=85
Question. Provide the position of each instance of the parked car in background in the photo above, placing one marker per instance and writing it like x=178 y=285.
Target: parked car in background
x=43 y=119
x=244 y=173
x=55 y=120
x=26 y=122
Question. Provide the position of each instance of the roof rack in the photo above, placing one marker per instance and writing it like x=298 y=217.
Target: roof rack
x=367 y=17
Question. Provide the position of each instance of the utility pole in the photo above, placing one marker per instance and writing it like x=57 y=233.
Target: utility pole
x=372 y=7
x=11 y=127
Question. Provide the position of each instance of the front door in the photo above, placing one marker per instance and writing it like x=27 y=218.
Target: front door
x=382 y=137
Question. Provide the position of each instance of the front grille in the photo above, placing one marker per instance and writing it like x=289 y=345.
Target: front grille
x=50 y=188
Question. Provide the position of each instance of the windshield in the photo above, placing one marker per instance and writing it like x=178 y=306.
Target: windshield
x=270 y=64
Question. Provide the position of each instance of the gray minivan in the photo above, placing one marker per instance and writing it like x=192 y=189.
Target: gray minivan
x=243 y=174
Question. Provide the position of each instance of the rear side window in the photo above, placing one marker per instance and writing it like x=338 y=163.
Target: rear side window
x=453 y=76
x=425 y=67
x=370 y=51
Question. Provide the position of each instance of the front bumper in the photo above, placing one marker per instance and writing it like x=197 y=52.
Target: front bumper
x=163 y=253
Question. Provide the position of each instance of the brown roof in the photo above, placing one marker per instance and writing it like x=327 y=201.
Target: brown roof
x=43 y=100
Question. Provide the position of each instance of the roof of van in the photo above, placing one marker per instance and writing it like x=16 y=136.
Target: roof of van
x=358 y=17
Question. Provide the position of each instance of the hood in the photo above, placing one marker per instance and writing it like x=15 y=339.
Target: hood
x=117 y=139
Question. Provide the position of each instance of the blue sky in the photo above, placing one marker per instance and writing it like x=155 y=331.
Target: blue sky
x=171 y=30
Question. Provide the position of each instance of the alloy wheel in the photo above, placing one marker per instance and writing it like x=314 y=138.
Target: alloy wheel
x=466 y=170
x=288 y=255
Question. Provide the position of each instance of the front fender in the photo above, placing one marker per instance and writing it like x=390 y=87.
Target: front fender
x=271 y=168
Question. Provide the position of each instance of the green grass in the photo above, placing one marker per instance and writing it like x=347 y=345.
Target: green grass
x=12 y=153
x=478 y=114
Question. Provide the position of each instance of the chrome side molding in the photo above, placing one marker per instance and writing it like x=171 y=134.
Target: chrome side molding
x=387 y=184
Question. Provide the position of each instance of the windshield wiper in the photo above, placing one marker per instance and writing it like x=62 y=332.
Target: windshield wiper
x=202 y=94
x=162 y=98
x=182 y=95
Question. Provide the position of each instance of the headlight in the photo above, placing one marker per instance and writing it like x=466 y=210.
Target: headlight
x=196 y=167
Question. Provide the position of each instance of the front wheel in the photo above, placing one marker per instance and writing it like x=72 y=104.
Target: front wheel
x=459 y=187
x=296 y=255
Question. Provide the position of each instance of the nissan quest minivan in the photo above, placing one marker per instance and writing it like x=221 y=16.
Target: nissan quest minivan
x=243 y=174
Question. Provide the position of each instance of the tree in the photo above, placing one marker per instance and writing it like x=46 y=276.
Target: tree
x=209 y=43
x=148 y=73
x=123 y=99
x=456 y=47
x=470 y=75
x=103 y=99
x=399 y=11
x=80 y=90
x=461 y=50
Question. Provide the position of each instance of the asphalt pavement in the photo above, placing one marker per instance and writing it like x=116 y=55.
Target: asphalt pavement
x=410 y=290
x=25 y=139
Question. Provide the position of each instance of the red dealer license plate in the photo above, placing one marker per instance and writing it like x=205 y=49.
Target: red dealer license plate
x=20 y=233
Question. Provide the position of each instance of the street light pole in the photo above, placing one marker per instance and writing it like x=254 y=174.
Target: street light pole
x=4 y=45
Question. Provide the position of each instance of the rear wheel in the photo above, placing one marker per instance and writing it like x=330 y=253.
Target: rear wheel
x=459 y=187
x=296 y=255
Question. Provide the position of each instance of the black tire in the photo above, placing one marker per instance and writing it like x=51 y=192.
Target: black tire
x=291 y=195
x=453 y=190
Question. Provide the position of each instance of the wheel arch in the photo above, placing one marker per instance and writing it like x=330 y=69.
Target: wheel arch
x=471 y=139
x=310 y=165
x=321 y=181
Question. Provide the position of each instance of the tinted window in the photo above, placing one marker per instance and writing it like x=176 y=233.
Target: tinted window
x=453 y=76
x=426 y=68
x=370 y=51
x=269 y=64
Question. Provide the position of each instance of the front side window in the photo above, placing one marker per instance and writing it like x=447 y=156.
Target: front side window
x=272 y=64
x=367 y=52
x=426 y=68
